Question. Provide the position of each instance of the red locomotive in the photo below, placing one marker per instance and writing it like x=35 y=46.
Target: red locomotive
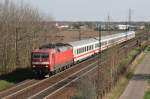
x=51 y=58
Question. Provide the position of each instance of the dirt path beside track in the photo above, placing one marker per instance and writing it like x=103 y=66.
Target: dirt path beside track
x=137 y=85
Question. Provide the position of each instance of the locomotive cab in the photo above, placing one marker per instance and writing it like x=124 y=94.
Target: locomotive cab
x=49 y=59
x=40 y=62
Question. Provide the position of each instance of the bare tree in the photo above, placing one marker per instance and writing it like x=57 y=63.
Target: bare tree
x=22 y=29
x=87 y=88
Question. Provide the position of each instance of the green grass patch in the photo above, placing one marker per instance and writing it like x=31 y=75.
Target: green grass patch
x=4 y=84
x=15 y=77
x=147 y=49
x=147 y=93
x=76 y=97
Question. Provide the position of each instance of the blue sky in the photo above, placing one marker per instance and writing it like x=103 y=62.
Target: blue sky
x=93 y=10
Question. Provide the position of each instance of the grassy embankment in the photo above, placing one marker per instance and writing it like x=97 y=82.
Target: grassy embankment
x=15 y=77
x=147 y=93
x=124 y=79
x=4 y=84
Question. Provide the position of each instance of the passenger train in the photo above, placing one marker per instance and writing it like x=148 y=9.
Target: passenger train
x=50 y=58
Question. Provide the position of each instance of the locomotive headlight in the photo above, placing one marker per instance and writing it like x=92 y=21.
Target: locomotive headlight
x=46 y=66
x=33 y=66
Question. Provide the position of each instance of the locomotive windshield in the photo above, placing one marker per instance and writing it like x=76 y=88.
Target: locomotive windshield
x=40 y=55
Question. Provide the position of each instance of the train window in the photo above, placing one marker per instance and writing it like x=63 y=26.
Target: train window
x=92 y=46
x=36 y=55
x=82 y=49
x=96 y=45
x=40 y=55
x=77 y=51
x=44 y=55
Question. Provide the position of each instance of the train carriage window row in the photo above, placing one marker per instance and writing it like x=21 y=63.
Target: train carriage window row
x=102 y=44
x=84 y=49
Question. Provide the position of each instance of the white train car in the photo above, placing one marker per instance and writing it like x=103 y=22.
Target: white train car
x=83 y=49
x=86 y=48
x=110 y=40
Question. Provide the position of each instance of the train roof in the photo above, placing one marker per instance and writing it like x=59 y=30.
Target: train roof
x=83 y=42
x=54 y=45
x=96 y=39
x=60 y=47
x=103 y=38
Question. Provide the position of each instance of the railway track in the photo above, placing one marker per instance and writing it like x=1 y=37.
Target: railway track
x=51 y=90
x=52 y=81
x=50 y=95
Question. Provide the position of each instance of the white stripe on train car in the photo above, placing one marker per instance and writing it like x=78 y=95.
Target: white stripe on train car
x=40 y=63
